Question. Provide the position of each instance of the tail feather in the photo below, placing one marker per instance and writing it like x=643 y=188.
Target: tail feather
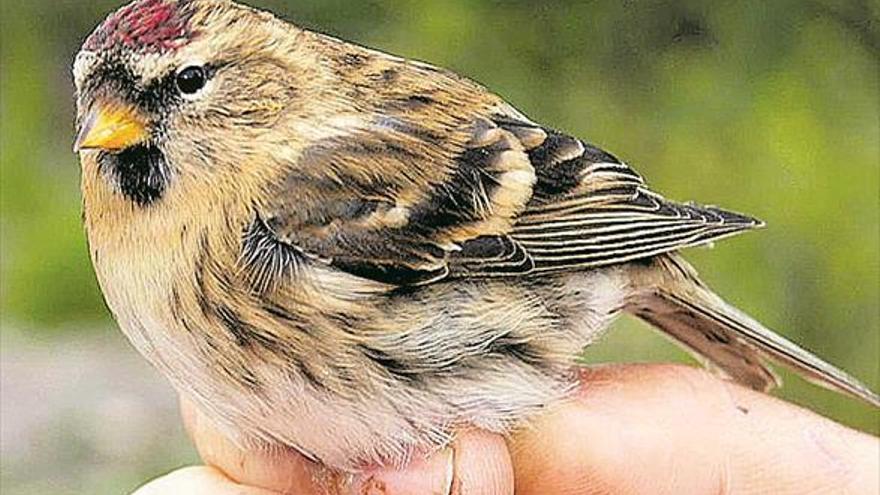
x=678 y=303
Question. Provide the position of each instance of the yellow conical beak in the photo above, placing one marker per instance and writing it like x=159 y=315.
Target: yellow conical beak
x=111 y=128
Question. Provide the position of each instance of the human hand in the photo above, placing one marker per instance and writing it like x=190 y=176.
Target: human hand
x=654 y=429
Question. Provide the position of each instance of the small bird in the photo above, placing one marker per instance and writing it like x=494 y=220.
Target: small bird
x=329 y=248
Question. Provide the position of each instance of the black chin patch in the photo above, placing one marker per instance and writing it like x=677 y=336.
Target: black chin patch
x=140 y=173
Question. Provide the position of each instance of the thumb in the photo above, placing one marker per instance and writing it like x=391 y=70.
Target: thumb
x=197 y=480
x=661 y=429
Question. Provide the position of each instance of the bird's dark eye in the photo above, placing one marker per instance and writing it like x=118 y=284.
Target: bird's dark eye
x=191 y=79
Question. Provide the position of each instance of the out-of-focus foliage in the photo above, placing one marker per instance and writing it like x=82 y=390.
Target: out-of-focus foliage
x=770 y=108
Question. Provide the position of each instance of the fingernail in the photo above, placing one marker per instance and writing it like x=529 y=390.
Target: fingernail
x=450 y=471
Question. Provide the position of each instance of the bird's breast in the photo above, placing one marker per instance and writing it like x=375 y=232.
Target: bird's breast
x=139 y=269
x=144 y=258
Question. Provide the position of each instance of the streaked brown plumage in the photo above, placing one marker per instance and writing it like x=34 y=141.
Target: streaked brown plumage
x=333 y=249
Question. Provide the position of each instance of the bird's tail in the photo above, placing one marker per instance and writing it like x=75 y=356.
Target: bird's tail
x=670 y=296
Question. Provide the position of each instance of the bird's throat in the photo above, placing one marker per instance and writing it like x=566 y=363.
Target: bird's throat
x=140 y=173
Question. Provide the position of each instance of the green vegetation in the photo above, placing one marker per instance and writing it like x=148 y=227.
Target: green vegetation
x=769 y=108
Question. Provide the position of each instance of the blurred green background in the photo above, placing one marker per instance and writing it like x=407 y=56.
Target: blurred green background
x=770 y=108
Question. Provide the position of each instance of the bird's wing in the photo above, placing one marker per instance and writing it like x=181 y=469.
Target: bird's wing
x=588 y=210
x=404 y=203
x=394 y=196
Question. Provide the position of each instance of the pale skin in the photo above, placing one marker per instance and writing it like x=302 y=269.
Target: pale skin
x=639 y=429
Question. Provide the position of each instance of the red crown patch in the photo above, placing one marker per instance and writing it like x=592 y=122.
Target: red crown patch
x=145 y=25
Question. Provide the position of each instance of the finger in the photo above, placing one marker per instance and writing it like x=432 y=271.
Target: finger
x=476 y=463
x=670 y=429
x=284 y=471
x=200 y=480
x=483 y=465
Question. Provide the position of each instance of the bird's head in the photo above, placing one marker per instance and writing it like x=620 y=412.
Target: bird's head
x=170 y=89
